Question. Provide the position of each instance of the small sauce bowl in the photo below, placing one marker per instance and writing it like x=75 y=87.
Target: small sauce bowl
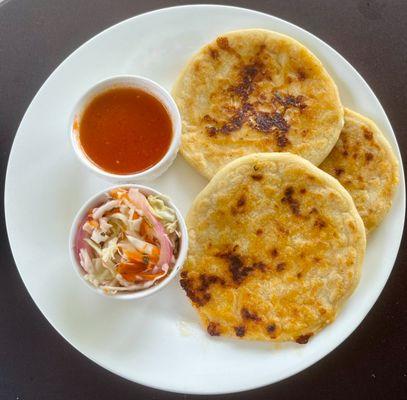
x=145 y=85
x=96 y=201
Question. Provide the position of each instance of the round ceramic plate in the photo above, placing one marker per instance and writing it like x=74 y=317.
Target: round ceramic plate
x=157 y=341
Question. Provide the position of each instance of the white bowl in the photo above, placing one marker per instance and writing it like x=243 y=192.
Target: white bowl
x=96 y=200
x=148 y=86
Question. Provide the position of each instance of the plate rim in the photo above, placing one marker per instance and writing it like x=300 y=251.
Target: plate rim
x=301 y=366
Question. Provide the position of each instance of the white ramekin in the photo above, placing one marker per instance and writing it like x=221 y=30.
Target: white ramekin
x=148 y=86
x=96 y=200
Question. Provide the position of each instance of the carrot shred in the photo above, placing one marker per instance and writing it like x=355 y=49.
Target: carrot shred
x=94 y=223
x=148 y=276
x=133 y=271
x=134 y=255
x=130 y=271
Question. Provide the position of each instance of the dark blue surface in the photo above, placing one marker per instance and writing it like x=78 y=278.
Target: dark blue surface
x=35 y=362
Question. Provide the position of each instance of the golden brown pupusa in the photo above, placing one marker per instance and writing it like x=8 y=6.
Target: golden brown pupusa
x=253 y=91
x=276 y=247
x=364 y=163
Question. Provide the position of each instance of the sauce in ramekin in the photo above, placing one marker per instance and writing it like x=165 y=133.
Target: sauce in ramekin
x=125 y=130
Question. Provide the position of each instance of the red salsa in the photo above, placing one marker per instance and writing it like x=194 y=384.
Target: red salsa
x=125 y=130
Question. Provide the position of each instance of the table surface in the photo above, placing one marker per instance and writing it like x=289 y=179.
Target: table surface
x=35 y=362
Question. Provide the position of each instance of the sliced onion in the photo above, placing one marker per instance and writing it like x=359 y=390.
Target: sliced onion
x=165 y=267
x=80 y=242
x=166 y=250
x=85 y=260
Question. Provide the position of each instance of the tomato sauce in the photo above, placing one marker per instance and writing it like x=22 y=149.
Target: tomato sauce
x=125 y=130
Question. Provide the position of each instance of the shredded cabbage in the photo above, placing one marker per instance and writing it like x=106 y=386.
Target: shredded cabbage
x=130 y=241
x=161 y=210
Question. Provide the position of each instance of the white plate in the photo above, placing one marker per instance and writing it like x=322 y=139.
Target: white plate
x=157 y=341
